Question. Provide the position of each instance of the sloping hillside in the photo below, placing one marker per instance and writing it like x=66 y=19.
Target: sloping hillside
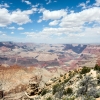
x=80 y=84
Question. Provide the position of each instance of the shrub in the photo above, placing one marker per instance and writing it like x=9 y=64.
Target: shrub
x=85 y=70
x=98 y=77
x=56 y=88
x=64 y=77
x=86 y=84
x=89 y=98
x=64 y=92
x=44 y=91
x=49 y=98
x=97 y=67
x=72 y=98
x=61 y=75
x=69 y=91
x=80 y=76
x=59 y=80
x=66 y=80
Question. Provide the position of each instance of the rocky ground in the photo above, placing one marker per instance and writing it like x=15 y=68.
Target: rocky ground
x=80 y=84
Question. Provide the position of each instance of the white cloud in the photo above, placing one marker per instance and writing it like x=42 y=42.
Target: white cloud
x=48 y=32
x=88 y=1
x=4 y=17
x=41 y=10
x=20 y=28
x=5 y=5
x=83 y=5
x=27 y=2
x=69 y=35
x=80 y=18
x=48 y=2
x=97 y=3
x=34 y=9
x=12 y=32
x=3 y=34
x=39 y=21
x=34 y=6
x=53 y=15
x=11 y=27
x=19 y=17
x=53 y=23
x=73 y=27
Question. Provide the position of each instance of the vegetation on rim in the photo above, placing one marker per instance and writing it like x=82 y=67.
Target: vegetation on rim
x=83 y=84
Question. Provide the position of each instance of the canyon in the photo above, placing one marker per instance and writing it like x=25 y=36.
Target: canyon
x=20 y=62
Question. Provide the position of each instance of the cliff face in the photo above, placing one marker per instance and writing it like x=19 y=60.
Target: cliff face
x=15 y=79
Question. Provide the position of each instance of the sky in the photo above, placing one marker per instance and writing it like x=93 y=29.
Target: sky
x=50 y=21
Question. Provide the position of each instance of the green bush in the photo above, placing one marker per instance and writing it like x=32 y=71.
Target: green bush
x=56 y=88
x=85 y=70
x=80 y=76
x=64 y=92
x=66 y=80
x=49 y=98
x=72 y=98
x=64 y=77
x=44 y=91
x=61 y=75
x=69 y=91
x=89 y=98
x=98 y=77
x=97 y=67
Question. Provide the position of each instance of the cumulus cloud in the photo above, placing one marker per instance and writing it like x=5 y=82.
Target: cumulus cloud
x=53 y=15
x=19 y=17
x=85 y=5
x=80 y=18
x=5 y=5
x=76 y=26
x=97 y=3
x=53 y=23
x=67 y=34
x=57 y=14
x=20 y=28
x=48 y=32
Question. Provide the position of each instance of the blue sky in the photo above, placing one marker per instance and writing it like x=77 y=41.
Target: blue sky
x=50 y=21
